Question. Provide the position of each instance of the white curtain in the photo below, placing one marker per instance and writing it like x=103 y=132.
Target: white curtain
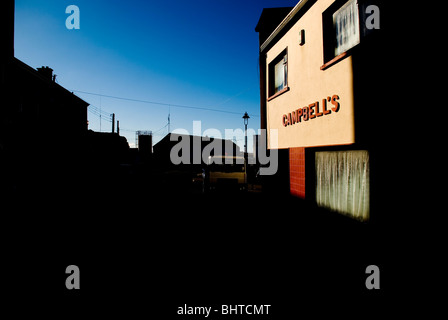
x=342 y=182
x=279 y=76
x=346 y=25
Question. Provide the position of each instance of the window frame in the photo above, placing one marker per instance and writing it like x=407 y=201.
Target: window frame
x=344 y=9
x=329 y=36
x=344 y=202
x=271 y=75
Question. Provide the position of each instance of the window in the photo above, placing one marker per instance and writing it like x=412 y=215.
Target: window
x=346 y=27
x=342 y=182
x=343 y=28
x=278 y=75
x=281 y=73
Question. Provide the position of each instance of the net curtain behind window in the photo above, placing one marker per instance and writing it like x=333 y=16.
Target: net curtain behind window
x=280 y=71
x=346 y=26
x=342 y=182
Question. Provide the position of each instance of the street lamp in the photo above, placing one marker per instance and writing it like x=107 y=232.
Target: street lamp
x=246 y=121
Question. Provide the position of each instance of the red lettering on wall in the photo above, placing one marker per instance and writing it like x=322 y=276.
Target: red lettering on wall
x=299 y=114
x=319 y=114
x=311 y=111
x=305 y=113
x=335 y=103
x=293 y=117
x=324 y=106
x=284 y=120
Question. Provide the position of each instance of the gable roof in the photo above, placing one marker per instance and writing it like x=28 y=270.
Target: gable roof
x=281 y=25
x=39 y=77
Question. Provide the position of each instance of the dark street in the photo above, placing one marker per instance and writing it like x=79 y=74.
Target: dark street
x=158 y=247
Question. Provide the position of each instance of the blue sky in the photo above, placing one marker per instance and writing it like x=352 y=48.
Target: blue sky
x=191 y=53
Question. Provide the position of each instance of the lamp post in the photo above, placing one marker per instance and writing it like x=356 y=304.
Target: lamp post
x=246 y=121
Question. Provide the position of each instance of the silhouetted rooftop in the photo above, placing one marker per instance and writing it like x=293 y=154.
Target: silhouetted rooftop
x=269 y=20
x=43 y=77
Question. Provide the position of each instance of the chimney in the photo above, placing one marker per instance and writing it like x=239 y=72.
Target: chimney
x=269 y=20
x=7 y=29
x=46 y=72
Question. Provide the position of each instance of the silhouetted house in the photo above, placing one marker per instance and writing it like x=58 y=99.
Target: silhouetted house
x=322 y=77
x=190 y=153
x=40 y=121
x=105 y=149
x=38 y=104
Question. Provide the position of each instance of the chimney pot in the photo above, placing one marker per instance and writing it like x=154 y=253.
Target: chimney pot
x=46 y=71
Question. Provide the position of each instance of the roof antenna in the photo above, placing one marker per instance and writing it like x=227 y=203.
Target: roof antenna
x=169 y=122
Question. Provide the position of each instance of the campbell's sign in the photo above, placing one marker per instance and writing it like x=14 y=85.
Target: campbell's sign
x=312 y=111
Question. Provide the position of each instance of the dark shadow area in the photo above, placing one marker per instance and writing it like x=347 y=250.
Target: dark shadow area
x=379 y=66
x=143 y=232
x=136 y=228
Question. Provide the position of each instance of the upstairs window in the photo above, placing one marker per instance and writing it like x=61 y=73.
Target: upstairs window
x=278 y=75
x=281 y=74
x=346 y=27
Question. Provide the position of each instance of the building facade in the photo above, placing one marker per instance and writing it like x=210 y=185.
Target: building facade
x=321 y=70
x=43 y=126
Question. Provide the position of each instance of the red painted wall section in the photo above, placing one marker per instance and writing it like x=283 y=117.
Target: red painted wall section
x=297 y=172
